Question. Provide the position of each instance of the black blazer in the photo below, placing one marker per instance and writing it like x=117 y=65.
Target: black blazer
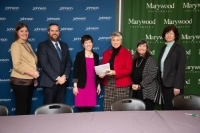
x=174 y=67
x=51 y=65
x=79 y=74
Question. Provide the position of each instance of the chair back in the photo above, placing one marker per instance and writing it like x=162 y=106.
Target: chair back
x=186 y=102
x=129 y=104
x=3 y=110
x=55 y=108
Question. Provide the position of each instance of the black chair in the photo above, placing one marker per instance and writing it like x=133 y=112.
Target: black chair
x=186 y=102
x=55 y=108
x=3 y=110
x=128 y=104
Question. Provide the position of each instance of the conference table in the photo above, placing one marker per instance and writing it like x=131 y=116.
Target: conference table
x=104 y=122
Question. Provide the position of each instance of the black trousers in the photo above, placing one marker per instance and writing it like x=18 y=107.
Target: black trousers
x=56 y=94
x=138 y=94
x=23 y=98
x=150 y=105
x=168 y=95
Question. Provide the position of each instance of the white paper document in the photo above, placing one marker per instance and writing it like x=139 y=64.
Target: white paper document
x=101 y=69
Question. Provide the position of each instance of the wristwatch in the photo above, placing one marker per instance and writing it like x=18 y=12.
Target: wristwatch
x=139 y=87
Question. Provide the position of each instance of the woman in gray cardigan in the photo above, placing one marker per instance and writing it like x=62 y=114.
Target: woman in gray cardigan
x=143 y=75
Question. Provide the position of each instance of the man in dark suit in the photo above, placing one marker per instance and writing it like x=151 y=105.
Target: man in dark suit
x=171 y=66
x=54 y=58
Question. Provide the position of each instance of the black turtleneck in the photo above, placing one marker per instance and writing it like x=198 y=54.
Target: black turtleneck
x=114 y=53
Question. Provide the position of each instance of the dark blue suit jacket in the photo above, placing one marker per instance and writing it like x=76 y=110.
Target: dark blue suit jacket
x=52 y=66
x=174 y=67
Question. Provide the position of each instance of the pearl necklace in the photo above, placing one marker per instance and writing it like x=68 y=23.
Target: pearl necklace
x=139 y=64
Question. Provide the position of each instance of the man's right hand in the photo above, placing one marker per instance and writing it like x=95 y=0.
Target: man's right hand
x=61 y=80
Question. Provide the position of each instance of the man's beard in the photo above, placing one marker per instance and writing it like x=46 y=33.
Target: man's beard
x=54 y=39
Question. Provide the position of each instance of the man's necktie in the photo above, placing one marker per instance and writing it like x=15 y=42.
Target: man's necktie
x=58 y=50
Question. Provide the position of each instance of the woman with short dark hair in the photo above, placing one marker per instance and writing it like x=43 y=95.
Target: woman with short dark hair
x=171 y=66
x=86 y=82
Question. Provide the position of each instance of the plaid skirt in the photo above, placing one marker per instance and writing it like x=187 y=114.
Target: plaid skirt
x=112 y=93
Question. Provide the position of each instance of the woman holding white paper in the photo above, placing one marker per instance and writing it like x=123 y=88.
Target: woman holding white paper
x=86 y=82
x=117 y=80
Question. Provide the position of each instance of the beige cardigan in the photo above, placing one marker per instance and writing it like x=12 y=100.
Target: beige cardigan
x=22 y=59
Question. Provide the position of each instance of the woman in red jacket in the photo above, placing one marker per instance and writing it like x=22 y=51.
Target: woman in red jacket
x=117 y=80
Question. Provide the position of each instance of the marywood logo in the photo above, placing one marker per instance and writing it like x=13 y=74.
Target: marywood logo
x=159 y=6
x=175 y=22
x=190 y=37
x=66 y=29
x=102 y=18
x=89 y=8
x=40 y=29
x=187 y=81
x=39 y=8
x=151 y=37
x=139 y=22
x=66 y=8
x=10 y=29
x=188 y=52
x=25 y=19
x=192 y=68
x=10 y=8
x=52 y=19
x=189 y=5
x=77 y=39
x=79 y=19
x=91 y=28
x=153 y=52
x=104 y=38
x=2 y=19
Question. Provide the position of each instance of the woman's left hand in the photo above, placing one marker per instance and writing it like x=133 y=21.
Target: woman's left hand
x=98 y=89
x=135 y=87
x=110 y=72
x=176 y=91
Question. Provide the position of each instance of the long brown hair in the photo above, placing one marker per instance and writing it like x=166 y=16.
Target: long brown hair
x=147 y=54
x=17 y=28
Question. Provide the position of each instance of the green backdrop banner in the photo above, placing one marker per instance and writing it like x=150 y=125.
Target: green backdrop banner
x=146 y=19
